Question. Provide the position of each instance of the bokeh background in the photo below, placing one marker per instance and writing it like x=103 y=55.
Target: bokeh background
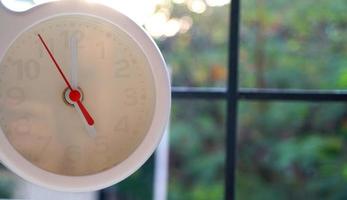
x=286 y=150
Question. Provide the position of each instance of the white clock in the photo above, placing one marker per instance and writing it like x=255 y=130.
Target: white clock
x=84 y=95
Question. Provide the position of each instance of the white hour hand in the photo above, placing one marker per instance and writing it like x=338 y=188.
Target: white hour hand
x=90 y=128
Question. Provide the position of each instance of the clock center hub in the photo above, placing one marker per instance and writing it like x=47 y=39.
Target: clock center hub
x=75 y=95
x=71 y=97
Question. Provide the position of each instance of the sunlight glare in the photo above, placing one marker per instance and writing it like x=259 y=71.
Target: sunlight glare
x=178 y=1
x=172 y=27
x=186 y=23
x=155 y=15
x=217 y=2
x=197 y=6
x=154 y=24
x=137 y=10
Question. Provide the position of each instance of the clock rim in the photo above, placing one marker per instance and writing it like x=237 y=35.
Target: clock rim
x=25 y=169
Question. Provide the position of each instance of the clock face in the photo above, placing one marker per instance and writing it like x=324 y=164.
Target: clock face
x=52 y=128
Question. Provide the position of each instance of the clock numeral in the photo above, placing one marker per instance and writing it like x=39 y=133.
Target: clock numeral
x=101 y=145
x=46 y=142
x=27 y=70
x=122 y=125
x=101 y=47
x=131 y=97
x=15 y=96
x=73 y=153
x=78 y=34
x=122 y=69
x=21 y=126
x=102 y=148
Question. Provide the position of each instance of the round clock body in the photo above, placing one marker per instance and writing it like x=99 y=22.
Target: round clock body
x=121 y=80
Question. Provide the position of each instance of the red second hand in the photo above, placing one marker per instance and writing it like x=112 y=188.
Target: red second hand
x=83 y=109
x=55 y=62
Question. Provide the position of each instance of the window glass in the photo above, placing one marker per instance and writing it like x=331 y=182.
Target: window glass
x=197 y=150
x=197 y=54
x=137 y=186
x=293 y=44
x=292 y=151
x=8 y=183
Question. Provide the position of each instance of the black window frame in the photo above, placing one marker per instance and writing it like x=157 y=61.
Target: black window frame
x=232 y=94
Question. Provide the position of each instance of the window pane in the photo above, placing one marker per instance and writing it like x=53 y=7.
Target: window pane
x=198 y=55
x=141 y=182
x=293 y=44
x=197 y=150
x=8 y=183
x=292 y=151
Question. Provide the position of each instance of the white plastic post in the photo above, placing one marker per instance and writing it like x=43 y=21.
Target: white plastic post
x=161 y=168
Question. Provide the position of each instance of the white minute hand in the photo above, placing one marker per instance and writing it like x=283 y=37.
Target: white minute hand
x=74 y=81
x=74 y=62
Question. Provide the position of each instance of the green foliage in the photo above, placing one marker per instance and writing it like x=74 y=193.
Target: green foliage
x=138 y=186
x=197 y=156
x=7 y=183
x=292 y=150
x=282 y=41
x=301 y=158
x=285 y=150
x=195 y=55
